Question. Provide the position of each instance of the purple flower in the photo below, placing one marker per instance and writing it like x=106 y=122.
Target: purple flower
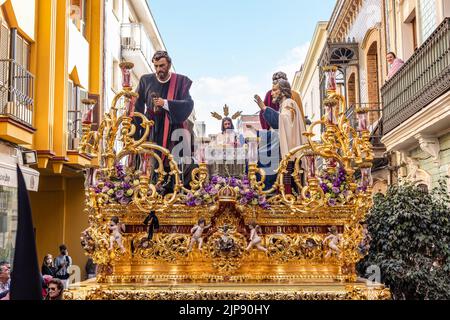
x=105 y=189
x=324 y=187
x=233 y=182
x=215 y=180
x=198 y=202
x=119 y=194
x=191 y=203
x=109 y=184
x=335 y=190
x=126 y=185
x=189 y=196
x=213 y=191
x=249 y=195
x=332 y=202
x=124 y=201
x=265 y=205
x=243 y=201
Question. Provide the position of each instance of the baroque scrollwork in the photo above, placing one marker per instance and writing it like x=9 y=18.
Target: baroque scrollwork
x=329 y=196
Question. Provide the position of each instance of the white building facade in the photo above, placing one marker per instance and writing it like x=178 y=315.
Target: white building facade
x=131 y=35
x=307 y=80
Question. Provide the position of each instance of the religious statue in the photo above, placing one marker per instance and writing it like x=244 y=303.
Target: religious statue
x=197 y=232
x=226 y=243
x=152 y=223
x=268 y=101
x=227 y=153
x=227 y=136
x=333 y=240
x=289 y=121
x=164 y=98
x=116 y=228
x=255 y=238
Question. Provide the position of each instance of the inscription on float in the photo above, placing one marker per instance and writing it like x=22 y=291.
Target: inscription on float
x=265 y=229
x=298 y=229
x=163 y=229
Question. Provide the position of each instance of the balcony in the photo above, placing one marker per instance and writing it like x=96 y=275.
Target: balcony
x=375 y=124
x=16 y=103
x=423 y=79
x=74 y=126
x=136 y=47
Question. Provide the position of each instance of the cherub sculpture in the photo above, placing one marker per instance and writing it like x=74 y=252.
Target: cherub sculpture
x=333 y=240
x=197 y=232
x=255 y=238
x=116 y=236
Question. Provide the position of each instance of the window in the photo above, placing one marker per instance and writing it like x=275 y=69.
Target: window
x=8 y=222
x=23 y=52
x=4 y=65
x=414 y=30
x=428 y=18
x=75 y=95
x=4 y=41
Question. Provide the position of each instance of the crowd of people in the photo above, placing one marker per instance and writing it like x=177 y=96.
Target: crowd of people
x=54 y=275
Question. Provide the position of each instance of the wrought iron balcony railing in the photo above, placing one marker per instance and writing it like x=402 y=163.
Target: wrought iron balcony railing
x=16 y=92
x=375 y=120
x=134 y=37
x=421 y=80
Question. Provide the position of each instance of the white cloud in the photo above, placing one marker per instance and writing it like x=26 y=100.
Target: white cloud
x=292 y=61
x=211 y=94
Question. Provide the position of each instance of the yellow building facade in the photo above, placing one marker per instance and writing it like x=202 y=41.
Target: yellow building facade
x=58 y=45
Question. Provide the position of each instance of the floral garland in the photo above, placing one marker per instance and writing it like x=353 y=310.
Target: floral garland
x=335 y=186
x=119 y=187
x=245 y=194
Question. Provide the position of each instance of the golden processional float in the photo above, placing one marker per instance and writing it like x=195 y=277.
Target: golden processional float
x=298 y=263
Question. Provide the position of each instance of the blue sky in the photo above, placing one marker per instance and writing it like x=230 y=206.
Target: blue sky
x=231 y=48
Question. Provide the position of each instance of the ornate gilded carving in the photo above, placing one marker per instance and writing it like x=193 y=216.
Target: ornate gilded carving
x=293 y=229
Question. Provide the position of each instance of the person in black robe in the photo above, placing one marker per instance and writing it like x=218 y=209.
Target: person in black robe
x=164 y=98
x=152 y=223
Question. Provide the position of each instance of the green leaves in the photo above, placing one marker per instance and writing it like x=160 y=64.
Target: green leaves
x=410 y=232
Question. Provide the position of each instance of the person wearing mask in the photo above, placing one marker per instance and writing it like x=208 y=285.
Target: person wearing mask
x=62 y=263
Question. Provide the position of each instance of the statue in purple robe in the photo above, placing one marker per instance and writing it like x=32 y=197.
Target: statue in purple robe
x=164 y=98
